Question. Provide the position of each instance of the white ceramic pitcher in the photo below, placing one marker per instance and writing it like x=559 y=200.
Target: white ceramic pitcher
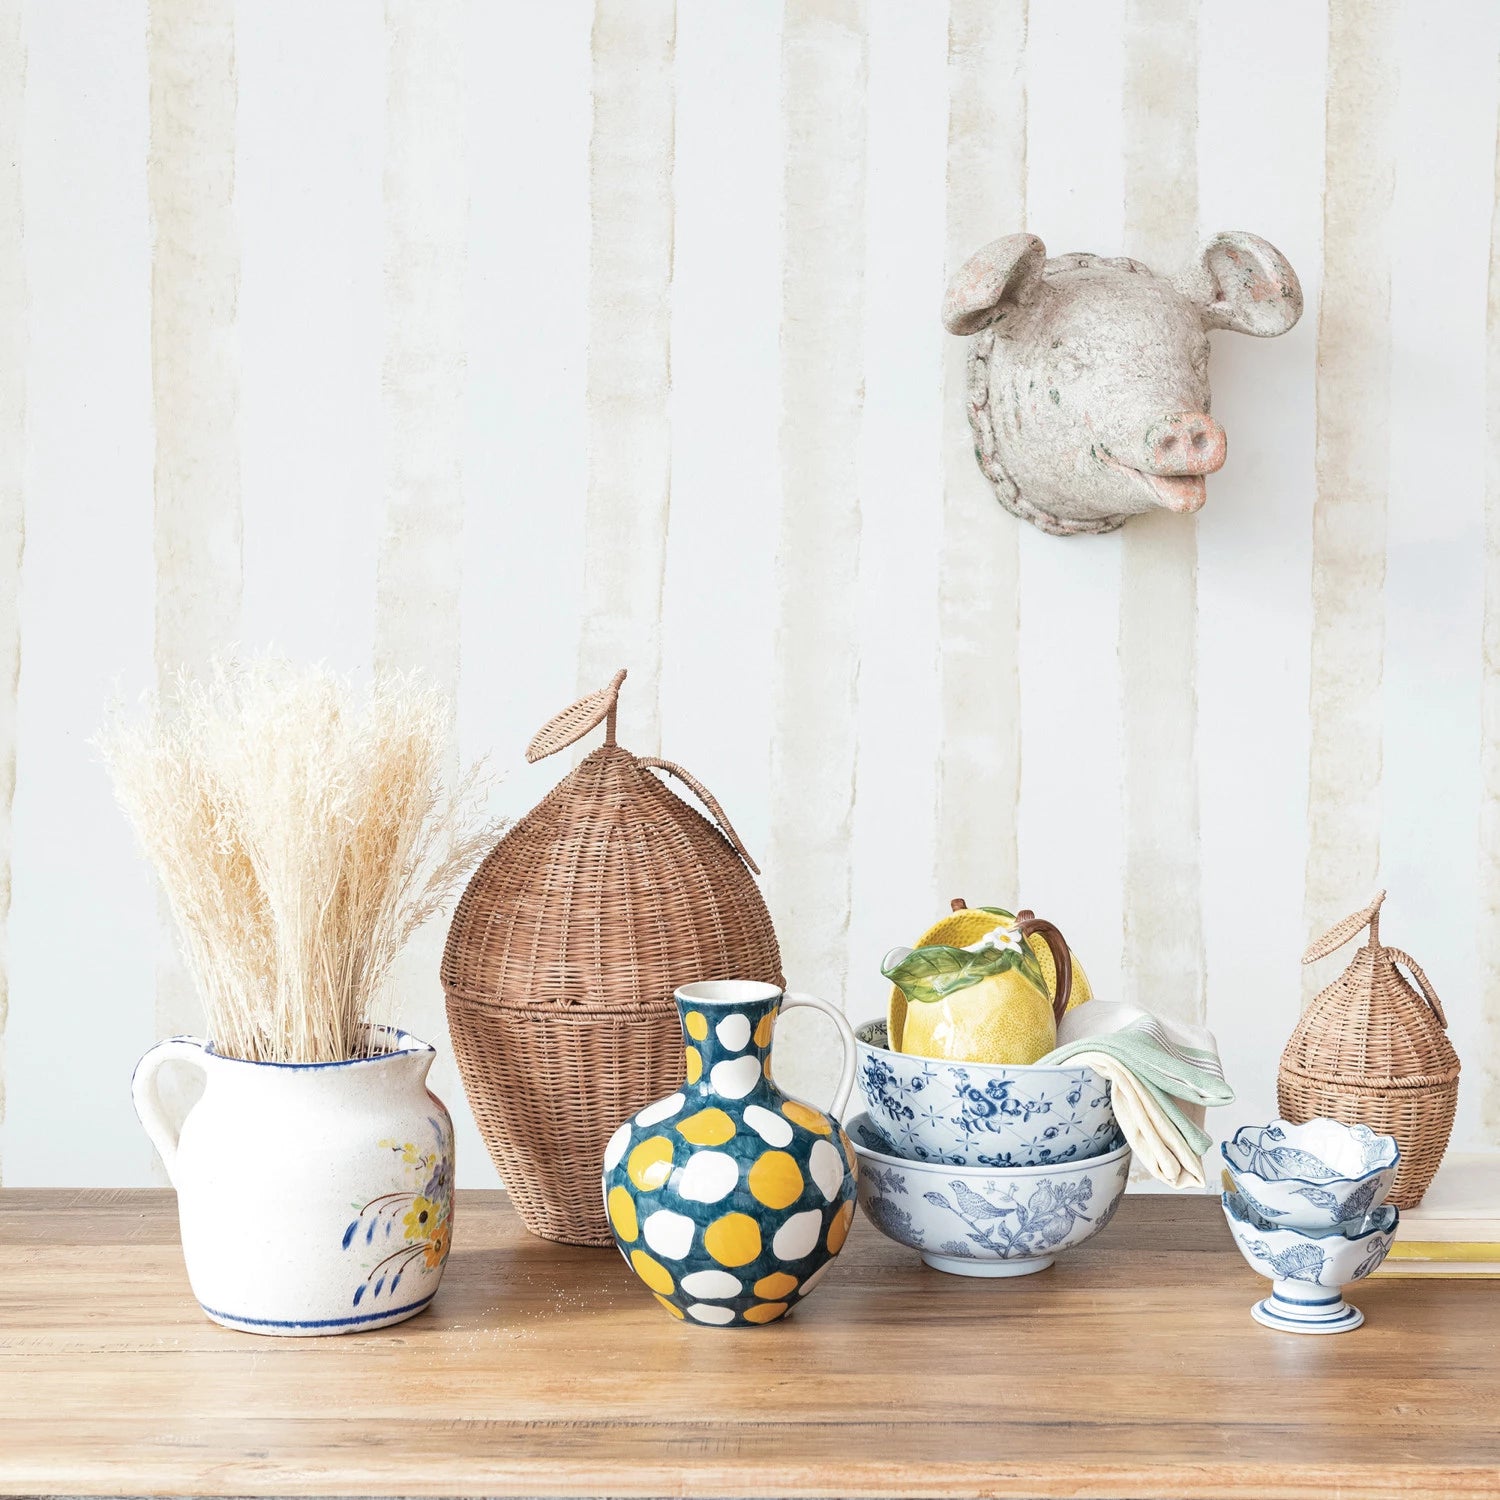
x=314 y=1198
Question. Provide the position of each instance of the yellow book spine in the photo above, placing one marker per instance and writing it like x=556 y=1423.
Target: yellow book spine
x=1443 y=1250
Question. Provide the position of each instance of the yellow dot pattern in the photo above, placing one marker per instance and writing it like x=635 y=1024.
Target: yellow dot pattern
x=765 y=1312
x=777 y=1284
x=711 y=1219
x=709 y=1127
x=650 y=1164
x=651 y=1271
x=733 y=1240
x=838 y=1230
x=622 y=1214
x=809 y=1119
x=775 y=1179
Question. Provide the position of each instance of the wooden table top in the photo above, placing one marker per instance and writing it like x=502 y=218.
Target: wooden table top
x=1131 y=1368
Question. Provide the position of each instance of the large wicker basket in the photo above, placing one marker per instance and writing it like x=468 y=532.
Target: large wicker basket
x=564 y=953
x=1371 y=1050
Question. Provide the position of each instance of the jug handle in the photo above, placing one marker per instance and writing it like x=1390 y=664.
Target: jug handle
x=147 y=1101
x=1062 y=957
x=1406 y=961
x=707 y=798
x=790 y=1001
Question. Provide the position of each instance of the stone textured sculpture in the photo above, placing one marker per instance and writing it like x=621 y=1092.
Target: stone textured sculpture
x=1088 y=376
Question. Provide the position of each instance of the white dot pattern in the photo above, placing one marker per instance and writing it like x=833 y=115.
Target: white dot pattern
x=826 y=1167
x=616 y=1147
x=712 y=1284
x=663 y=1109
x=706 y=1312
x=669 y=1234
x=798 y=1236
x=773 y=1129
x=734 y=1032
x=708 y=1176
x=736 y=1076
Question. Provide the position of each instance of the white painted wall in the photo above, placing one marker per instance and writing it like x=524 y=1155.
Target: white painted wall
x=630 y=311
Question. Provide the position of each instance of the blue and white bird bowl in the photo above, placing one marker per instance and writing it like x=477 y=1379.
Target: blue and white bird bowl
x=981 y=1114
x=1311 y=1176
x=1308 y=1269
x=986 y=1221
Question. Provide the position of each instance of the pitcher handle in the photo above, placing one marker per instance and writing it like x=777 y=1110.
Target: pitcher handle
x=147 y=1100
x=1062 y=958
x=793 y=998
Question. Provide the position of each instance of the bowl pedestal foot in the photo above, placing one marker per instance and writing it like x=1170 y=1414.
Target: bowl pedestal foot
x=1296 y=1307
x=960 y=1265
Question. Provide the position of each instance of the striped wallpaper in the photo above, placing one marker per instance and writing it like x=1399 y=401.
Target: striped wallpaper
x=518 y=343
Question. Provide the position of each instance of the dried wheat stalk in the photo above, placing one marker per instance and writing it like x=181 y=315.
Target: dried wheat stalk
x=302 y=834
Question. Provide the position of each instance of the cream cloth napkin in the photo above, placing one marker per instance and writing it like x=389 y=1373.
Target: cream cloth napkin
x=1162 y=1075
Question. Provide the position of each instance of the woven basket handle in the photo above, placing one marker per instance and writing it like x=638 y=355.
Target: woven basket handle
x=706 y=797
x=1406 y=961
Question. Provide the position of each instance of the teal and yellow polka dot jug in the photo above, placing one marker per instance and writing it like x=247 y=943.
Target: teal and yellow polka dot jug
x=728 y=1199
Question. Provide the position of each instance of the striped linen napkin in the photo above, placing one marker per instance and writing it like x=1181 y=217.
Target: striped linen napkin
x=1162 y=1075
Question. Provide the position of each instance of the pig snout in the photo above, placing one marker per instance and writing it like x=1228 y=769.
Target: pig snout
x=1172 y=458
x=1189 y=443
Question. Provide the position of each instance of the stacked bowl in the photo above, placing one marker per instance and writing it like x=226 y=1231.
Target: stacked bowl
x=984 y=1170
x=1306 y=1206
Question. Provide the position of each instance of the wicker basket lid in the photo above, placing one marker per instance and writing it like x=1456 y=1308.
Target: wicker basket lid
x=612 y=891
x=1370 y=1026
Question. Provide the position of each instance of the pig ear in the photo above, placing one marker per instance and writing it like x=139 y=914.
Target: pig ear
x=1243 y=284
x=1006 y=273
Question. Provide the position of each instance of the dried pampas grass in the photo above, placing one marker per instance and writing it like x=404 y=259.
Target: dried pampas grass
x=302 y=834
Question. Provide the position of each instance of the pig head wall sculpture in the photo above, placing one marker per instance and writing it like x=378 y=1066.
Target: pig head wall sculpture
x=1088 y=377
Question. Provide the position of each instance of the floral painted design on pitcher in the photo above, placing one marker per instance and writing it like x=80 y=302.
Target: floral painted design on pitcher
x=424 y=1216
x=726 y=1198
x=362 y=1214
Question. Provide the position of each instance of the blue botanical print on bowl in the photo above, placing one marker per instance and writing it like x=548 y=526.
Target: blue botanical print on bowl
x=1379 y=1249
x=1327 y=1258
x=1317 y=1150
x=975 y=1114
x=422 y=1215
x=994 y=1218
x=1299 y=1262
x=883 y=1088
x=1025 y=1220
x=1311 y=1176
x=1355 y=1206
x=890 y=1218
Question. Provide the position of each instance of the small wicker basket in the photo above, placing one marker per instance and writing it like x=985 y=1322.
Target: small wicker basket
x=1372 y=1051
x=564 y=953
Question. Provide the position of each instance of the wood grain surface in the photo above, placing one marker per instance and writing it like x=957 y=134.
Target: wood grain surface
x=1131 y=1368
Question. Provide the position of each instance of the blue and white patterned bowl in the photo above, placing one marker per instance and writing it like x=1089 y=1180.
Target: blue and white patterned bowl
x=1311 y=1176
x=986 y=1221
x=1308 y=1269
x=981 y=1114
